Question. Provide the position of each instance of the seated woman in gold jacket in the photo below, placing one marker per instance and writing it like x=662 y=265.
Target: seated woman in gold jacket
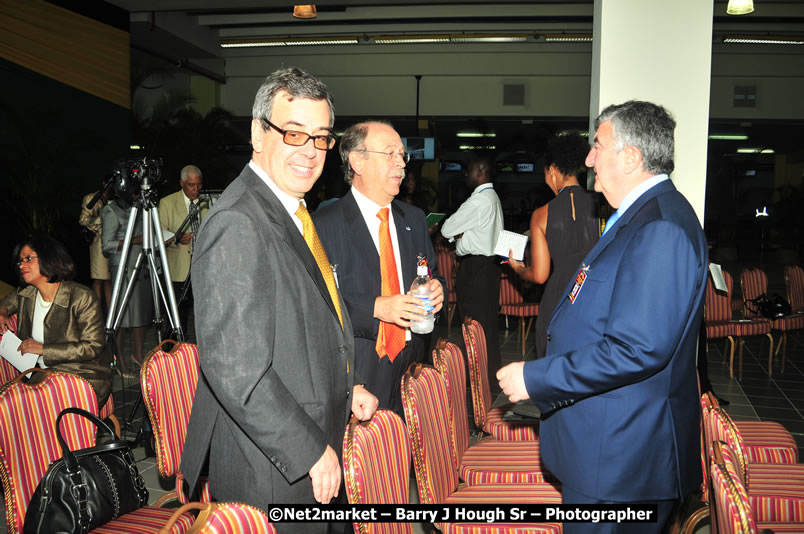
x=57 y=319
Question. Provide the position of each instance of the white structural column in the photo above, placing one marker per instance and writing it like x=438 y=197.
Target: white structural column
x=659 y=51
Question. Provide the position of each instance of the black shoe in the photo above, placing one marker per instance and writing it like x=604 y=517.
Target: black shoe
x=722 y=402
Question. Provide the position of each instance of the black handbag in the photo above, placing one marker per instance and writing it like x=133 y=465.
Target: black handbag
x=86 y=488
x=771 y=307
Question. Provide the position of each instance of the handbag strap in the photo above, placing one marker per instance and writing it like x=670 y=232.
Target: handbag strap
x=79 y=488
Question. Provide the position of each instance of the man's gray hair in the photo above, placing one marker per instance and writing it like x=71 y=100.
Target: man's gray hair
x=353 y=139
x=646 y=126
x=298 y=84
x=187 y=170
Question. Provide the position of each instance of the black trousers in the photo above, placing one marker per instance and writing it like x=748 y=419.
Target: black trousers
x=478 y=291
x=383 y=377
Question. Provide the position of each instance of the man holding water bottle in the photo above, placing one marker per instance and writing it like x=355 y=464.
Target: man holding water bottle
x=373 y=242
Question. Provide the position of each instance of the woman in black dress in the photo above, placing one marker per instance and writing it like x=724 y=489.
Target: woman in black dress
x=562 y=231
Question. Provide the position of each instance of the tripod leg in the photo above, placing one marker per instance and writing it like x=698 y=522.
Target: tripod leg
x=170 y=305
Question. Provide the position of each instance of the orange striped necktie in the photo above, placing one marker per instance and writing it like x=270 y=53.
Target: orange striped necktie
x=320 y=255
x=391 y=337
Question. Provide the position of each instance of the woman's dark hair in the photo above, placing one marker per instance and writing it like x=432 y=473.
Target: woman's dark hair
x=55 y=262
x=567 y=152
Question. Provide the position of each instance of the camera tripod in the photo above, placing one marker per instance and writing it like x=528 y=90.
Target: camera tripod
x=152 y=244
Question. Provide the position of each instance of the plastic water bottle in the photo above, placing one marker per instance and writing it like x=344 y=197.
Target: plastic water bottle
x=421 y=290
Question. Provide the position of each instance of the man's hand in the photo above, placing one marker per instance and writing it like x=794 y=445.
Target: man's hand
x=398 y=309
x=185 y=238
x=512 y=381
x=31 y=346
x=364 y=404
x=436 y=295
x=326 y=476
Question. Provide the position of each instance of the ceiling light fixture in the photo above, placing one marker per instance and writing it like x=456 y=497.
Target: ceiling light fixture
x=309 y=41
x=568 y=38
x=410 y=39
x=728 y=137
x=475 y=134
x=740 y=7
x=305 y=11
x=755 y=151
x=766 y=40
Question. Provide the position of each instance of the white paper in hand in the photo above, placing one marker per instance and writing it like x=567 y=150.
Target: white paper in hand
x=511 y=240
x=8 y=350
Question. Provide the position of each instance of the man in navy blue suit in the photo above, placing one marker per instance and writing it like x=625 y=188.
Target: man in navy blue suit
x=617 y=387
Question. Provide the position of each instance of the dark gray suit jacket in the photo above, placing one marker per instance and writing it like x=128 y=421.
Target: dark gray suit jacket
x=350 y=247
x=276 y=367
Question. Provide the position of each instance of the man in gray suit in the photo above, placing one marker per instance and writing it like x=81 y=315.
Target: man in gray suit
x=352 y=231
x=275 y=341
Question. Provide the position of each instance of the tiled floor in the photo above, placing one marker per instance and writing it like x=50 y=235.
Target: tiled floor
x=758 y=396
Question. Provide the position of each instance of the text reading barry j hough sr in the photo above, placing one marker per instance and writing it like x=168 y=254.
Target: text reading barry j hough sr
x=393 y=513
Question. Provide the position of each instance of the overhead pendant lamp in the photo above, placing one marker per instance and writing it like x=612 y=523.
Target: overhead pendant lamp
x=304 y=11
x=740 y=7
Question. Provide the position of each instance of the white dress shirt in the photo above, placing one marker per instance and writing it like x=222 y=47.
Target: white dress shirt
x=290 y=202
x=479 y=219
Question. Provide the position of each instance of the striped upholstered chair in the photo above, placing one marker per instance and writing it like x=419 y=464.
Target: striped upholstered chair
x=223 y=518
x=28 y=444
x=755 y=283
x=776 y=491
x=717 y=318
x=765 y=442
x=513 y=303
x=487 y=418
x=168 y=381
x=489 y=461
x=735 y=512
x=376 y=467
x=448 y=266
x=424 y=396
x=794 y=283
x=8 y=371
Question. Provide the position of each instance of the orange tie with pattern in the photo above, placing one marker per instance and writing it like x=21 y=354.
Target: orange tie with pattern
x=391 y=337
x=320 y=255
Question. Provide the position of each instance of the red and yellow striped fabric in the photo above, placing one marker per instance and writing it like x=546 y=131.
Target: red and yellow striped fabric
x=490 y=461
x=448 y=267
x=717 y=312
x=236 y=518
x=731 y=500
x=767 y=442
x=776 y=491
x=376 y=467
x=509 y=528
x=794 y=283
x=490 y=420
x=146 y=520
x=169 y=380
x=424 y=396
x=512 y=302
x=8 y=371
x=28 y=441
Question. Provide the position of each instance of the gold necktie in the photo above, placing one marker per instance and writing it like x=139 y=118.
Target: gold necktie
x=391 y=337
x=320 y=255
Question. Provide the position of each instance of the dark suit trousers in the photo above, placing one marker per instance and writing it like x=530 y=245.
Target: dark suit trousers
x=569 y=497
x=383 y=378
x=478 y=290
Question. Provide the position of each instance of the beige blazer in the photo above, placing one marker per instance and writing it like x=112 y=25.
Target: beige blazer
x=172 y=212
x=74 y=337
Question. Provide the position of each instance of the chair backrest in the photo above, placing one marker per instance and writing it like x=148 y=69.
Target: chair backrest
x=448 y=359
x=718 y=305
x=168 y=381
x=223 y=518
x=510 y=292
x=794 y=282
x=754 y=282
x=723 y=429
x=448 y=267
x=376 y=467
x=732 y=506
x=475 y=339
x=424 y=396
x=8 y=371
x=28 y=442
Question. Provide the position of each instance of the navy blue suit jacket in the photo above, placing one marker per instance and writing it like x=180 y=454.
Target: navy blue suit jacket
x=618 y=385
x=350 y=247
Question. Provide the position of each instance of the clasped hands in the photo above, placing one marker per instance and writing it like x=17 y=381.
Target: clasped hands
x=326 y=472
x=404 y=309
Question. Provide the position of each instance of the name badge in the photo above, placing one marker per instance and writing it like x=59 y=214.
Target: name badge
x=579 y=281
